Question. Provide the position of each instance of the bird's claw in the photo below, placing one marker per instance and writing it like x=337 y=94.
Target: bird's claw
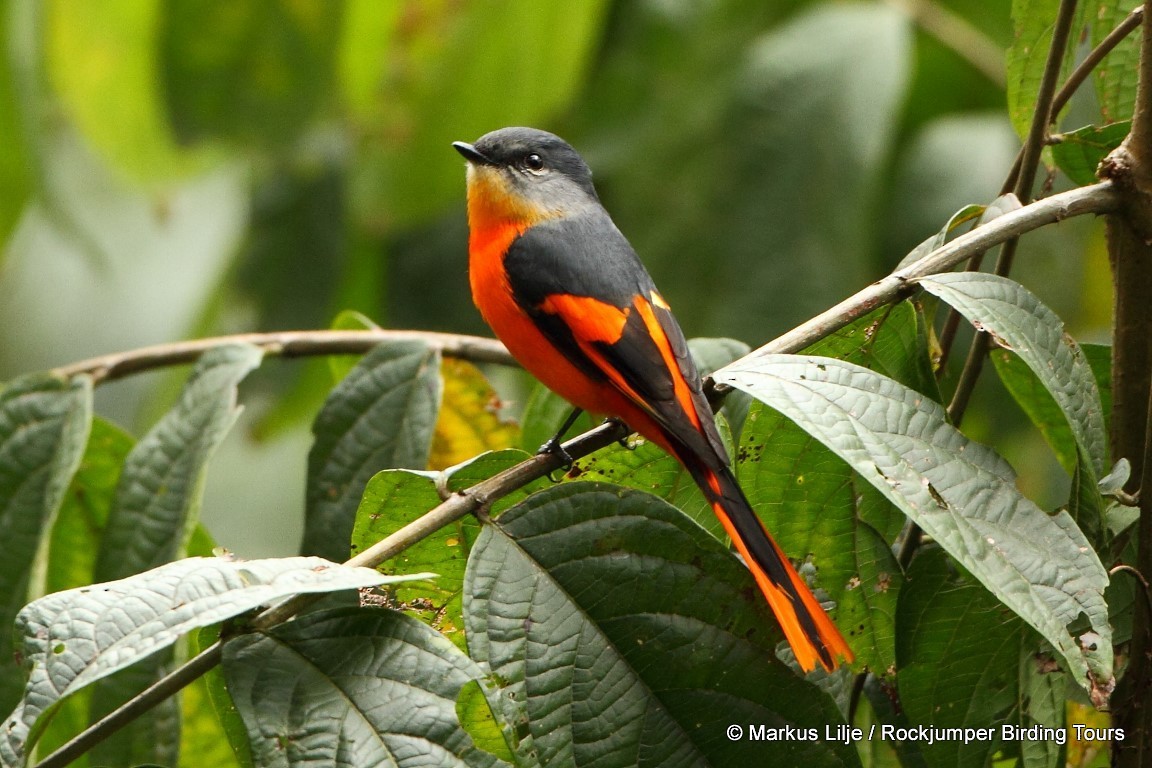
x=554 y=447
x=624 y=442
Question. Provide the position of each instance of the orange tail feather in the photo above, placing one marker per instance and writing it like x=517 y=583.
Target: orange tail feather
x=812 y=635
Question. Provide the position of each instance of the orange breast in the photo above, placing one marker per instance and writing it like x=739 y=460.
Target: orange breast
x=493 y=296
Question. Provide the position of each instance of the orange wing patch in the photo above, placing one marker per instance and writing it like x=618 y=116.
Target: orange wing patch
x=590 y=319
x=683 y=393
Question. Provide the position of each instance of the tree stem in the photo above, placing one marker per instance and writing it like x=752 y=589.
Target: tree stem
x=1130 y=255
x=283 y=344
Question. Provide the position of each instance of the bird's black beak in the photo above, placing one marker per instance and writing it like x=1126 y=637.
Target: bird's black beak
x=471 y=154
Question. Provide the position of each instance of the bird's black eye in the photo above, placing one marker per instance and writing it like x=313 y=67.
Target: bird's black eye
x=534 y=162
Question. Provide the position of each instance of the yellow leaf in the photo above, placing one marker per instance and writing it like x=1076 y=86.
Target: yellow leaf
x=469 y=422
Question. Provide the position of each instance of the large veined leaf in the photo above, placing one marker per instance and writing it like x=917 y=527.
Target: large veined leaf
x=647 y=467
x=381 y=416
x=822 y=512
x=1021 y=323
x=352 y=688
x=76 y=637
x=625 y=635
x=84 y=512
x=485 y=466
x=73 y=547
x=1079 y=152
x=155 y=509
x=966 y=662
x=159 y=489
x=960 y=492
x=44 y=424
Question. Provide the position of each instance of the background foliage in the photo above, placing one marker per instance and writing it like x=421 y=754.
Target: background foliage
x=196 y=167
x=295 y=163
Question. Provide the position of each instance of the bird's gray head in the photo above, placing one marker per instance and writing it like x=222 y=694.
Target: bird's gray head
x=528 y=173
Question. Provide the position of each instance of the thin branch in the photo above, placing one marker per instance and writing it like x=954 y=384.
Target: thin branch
x=956 y=33
x=284 y=344
x=1094 y=57
x=1096 y=199
x=167 y=686
x=1139 y=578
x=1044 y=111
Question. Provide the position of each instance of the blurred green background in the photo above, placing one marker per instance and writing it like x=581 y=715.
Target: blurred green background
x=183 y=168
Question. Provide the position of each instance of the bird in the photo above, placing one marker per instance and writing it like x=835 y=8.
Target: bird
x=563 y=289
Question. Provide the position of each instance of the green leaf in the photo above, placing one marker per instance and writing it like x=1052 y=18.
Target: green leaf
x=884 y=698
x=818 y=511
x=1033 y=22
x=159 y=490
x=44 y=423
x=960 y=492
x=1116 y=77
x=203 y=740
x=393 y=499
x=444 y=64
x=1021 y=323
x=229 y=727
x=258 y=79
x=84 y=512
x=74 y=638
x=16 y=163
x=381 y=416
x=647 y=467
x=966 y=214
x=1099 y=358
x=106 y=54
x=891 y=340
x=477 y=718
x=1079 y=152
x=352 y=688
x=1041 y=702
x=348 y=320
x=628 y=636
x=1039 y=405
x=710 y=354
x=958 y=653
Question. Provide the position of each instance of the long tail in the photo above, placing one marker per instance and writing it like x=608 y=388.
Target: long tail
x=806 y=626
